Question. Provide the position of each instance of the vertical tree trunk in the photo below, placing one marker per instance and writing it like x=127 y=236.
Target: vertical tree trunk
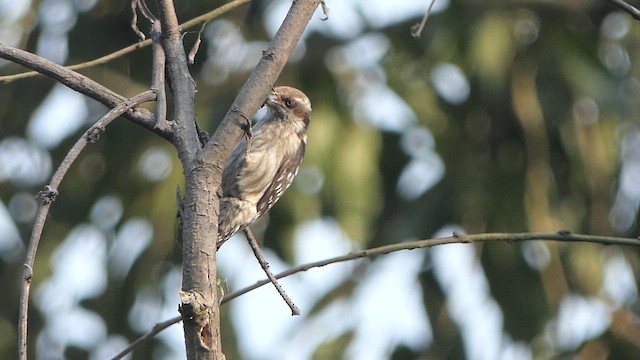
x=203 y=168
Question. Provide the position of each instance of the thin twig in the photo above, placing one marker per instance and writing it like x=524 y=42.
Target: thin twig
x=416 y=29
x=48 y=196
x=134 y=20
x=144 y=9
x=158 y=76
x=157 y=328
x=626 y=7
x=265 y=266
x=562 y=235
x=325 y=11
x=81 y=84
x=213 y=14
x=196 y=46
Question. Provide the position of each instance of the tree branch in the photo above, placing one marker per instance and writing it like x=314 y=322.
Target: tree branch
x=255 y=89
x=199 y=303
x=81 y=84
x=626 y=7
x=158 y=76
x=265 y=267
x=48 y=196
x=213 y=14
x=203 y=168
x=562 y=236
x=157 y=328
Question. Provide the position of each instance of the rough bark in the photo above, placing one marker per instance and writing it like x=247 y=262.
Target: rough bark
x=200 y=305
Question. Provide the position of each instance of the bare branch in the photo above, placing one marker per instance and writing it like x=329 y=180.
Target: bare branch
x=199 y=305
x=265 y=266
x=196 y=46
x=260 y=82
x=416 y=29
x=81 y=84
x=144 y=9
x=626 y=7
x=213 y=14
x=563 y=236
x=157 y=328
x=182 y=85
x=158 y=77
x=48 y=196
x=325 y=11
x=134 y=20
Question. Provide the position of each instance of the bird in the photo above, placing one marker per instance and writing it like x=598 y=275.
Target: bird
x=264 y=163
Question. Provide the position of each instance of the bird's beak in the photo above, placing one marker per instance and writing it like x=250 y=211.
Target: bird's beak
x=272 y=98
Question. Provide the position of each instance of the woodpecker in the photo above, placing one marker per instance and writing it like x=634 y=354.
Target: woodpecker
x=265 y=162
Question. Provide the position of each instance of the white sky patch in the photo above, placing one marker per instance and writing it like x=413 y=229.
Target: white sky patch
x=347 y=19
x=23 y=163
x=321 y=239
x=11 y=25
x=109 y=347
x=418 y=142
x=363 y=52
x=619 y=283
x=382 y=13
x=74 y=327
x=371 y=100
x=132 y=239
x=344 y=21
x=106 y=212
x=78 y=272
x=155 y=164
x=384 y=109
x=173 y=337
x=419 y=176
x=450 y=83
x=387 y=308
x=10 y=242
x=228 y=51
x=267 y=330
x=23 y=207
x=146 y=309
x=261 y=319
x=580 y=319
x=460 y=274
x=13 y=10
x=60 y=115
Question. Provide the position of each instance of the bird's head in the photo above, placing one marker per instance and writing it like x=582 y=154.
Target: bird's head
x=289 y=103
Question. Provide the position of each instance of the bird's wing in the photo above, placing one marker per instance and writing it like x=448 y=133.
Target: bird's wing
x=233 y=169
x=281 y=181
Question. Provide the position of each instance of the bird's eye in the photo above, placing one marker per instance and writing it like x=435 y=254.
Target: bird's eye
x=290 y=103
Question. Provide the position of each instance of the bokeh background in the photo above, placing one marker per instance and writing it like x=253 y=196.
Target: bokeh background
x=504 y=116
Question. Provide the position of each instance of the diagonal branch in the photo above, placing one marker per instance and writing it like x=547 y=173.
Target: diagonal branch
x=626 y=7
x=265 y=267
x=81 y=84
x=562 y=236
x=157 y=328
x=213 y=14
x=264 y=76
x=48 y=196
